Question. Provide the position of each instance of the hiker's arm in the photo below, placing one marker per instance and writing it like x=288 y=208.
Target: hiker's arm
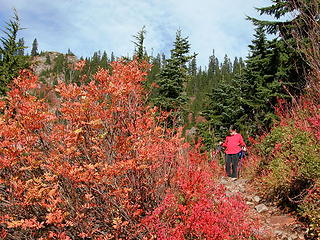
x=242 y=143
x=225 y=143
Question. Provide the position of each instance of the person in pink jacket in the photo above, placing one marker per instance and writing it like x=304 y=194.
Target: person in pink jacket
x=234 y=144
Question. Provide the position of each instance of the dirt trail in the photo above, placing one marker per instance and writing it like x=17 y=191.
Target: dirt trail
x=274 y=223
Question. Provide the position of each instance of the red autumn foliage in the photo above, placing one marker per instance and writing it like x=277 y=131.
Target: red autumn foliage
x=198 y=208
x=99 y=162
x=305 y=114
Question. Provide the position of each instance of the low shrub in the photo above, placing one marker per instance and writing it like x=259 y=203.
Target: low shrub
x=289 y=166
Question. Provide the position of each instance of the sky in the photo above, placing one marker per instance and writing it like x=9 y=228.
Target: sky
x=87 y=26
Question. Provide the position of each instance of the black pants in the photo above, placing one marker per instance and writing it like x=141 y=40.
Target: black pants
x=232 y=165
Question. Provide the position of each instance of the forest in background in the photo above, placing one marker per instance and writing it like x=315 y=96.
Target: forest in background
x=272 y=97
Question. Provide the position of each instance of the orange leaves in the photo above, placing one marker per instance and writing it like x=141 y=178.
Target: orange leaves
x=93 y=164
x=80 y=65
x=55 y=217
x=25 y=224
x=26 y=81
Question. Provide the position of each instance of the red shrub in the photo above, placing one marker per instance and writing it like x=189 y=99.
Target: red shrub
x=99 y=162
x=197 y=208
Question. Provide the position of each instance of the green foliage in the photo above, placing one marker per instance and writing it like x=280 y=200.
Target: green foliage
x=48 y=60
x=247 y=99
x=295 y=60
x=171 y=92
x=310 y=209
x=291 y=166
x=294 y=147
x=11 y=60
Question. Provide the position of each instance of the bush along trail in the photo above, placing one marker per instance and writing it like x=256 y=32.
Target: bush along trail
x=285 y=163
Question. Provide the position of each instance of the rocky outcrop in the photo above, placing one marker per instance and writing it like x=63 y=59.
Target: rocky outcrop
x=45 y=63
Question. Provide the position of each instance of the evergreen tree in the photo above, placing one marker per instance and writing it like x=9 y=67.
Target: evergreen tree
x=286 y=31
x=155 y=69
x=70 y=53
x=192 y=69
x=171 y=95
x=226 y=69
x=140 y=51
x=104 y=60
x=248 y=99
x=212 y=65
x=163 y=60
x=21 y=47
x=294 y=10
x=112 y=58
x=10 y=61
x=34 y=50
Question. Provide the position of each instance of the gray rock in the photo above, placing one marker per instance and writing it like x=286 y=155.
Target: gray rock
x=279 y=233
x=256 y=199
x=229 y=193
x=223 y=181
x=261 y=208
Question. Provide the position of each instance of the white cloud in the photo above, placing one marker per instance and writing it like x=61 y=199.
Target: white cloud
x=92 y=25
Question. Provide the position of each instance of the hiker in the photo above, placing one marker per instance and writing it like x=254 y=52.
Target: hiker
x=234 y=145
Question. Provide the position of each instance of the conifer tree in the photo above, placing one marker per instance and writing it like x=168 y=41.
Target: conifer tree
x=226 y=69
x=10 y=61
x=171 y=95
x=140 y=51
x=112 y=58
x=293 y=9
x=212 y=65
x=248 y=99
x=155 y=70
x=104 y=60
x=192 y=69
x=163 y=60
x=34 y=50
x=70 y=53
x=21 y=47
x=286 y=30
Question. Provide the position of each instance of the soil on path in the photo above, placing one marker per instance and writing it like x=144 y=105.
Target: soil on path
x=274 y=223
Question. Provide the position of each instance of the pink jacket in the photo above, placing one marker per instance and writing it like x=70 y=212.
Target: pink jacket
x=233 y=144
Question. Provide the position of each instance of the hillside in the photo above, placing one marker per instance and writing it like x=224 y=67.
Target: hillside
x=52 y=66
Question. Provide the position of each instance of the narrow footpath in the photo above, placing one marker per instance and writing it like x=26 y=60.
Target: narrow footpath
x=274 y=223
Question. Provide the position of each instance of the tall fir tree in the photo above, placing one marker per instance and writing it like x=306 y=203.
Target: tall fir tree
x=171 y=93
x=112 y=58
x=10 y=61
x=140 y=52
x=226 y=69
x=104 y=60
x=21 y=47
x=291 y=11
x=192 y=69
x=34 y=50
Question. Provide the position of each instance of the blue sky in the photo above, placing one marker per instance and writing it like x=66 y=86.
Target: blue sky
x=86 y=26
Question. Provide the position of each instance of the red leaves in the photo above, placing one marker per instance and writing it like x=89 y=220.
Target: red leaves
x=98 y=161
x=196 y=208
x=80 y=65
